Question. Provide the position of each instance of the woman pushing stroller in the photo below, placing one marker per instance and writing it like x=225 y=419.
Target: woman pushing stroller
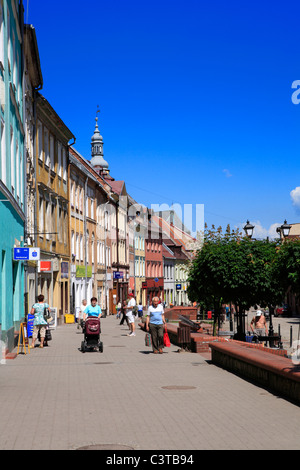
x=92 y=310
x=92 y=328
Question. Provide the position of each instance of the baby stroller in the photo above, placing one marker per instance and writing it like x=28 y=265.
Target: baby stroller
x=91 y=331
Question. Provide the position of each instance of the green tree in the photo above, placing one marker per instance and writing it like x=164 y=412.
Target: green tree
x=287 y=266
x=233 y=268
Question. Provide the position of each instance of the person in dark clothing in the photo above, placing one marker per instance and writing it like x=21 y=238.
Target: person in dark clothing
x=123 y=311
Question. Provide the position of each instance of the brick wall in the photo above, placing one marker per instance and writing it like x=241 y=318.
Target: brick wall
x=172 y=314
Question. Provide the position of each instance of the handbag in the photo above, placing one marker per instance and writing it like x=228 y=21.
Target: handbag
x=148 y=339
x=48 y=336
x=47 y=314
x=167 y=342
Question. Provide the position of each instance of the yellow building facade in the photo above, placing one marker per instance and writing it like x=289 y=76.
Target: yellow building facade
x=91 y=257
x=52 y=207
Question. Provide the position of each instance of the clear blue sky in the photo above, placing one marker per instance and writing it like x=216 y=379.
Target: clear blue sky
x=195 y=98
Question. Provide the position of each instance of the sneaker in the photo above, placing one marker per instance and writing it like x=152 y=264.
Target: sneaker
x=131 y=334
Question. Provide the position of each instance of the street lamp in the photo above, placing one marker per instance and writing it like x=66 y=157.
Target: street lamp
x=249 y=229
x=284 y=229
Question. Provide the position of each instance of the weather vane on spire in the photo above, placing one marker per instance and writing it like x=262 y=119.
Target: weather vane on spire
x=97 y=112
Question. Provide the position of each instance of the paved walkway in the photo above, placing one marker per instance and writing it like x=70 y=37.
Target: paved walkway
x=60 y=398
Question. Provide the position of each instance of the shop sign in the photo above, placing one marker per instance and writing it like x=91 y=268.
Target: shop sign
x=45 y=266
x=118 y=274
x=81 y=271
x=64 y=270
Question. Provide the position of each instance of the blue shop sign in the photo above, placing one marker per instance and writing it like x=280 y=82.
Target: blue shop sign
x=118 y=275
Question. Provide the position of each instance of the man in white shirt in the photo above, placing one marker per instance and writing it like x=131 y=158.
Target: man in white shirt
x=129 y=314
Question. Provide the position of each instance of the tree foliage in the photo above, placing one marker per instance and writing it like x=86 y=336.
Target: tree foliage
x=234 y=268
x=287 y=266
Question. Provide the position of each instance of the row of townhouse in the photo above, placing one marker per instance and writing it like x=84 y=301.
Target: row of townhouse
x=12 y=166
x=94 y=239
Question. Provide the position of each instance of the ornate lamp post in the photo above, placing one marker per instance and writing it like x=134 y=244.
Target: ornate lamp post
x=249 y=229
x=240 y=316
x=284 y=229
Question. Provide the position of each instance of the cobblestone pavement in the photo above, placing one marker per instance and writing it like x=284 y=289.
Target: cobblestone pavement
x=60 y=398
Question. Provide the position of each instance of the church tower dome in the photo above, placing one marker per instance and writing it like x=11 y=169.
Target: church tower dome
x=97 y=160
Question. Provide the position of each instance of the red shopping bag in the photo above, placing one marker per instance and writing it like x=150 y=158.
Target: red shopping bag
x=167 y=342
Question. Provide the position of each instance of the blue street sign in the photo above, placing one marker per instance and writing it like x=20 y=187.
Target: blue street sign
x=21 y=254
x=26 y=254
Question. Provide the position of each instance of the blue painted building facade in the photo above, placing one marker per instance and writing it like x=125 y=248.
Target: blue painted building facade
x=12 y=171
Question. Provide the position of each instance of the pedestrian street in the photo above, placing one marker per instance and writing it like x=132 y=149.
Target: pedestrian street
x=58 y=398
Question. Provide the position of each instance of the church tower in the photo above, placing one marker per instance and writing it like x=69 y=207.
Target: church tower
x=98 y=162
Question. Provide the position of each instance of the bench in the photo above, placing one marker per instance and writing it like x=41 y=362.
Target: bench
x=274 y=372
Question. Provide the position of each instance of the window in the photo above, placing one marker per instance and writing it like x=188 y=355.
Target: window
x=72 y=243
x=8 y=41
x=80 y=192
x=77 y=197
x=53 y=230
x=59 y=159
x=3 y=154
x=92 y=208
x=47 y=220
x=18 y=170
x=98 y=252
x=12 y=161
x=86 y=206
x=65 y=226
x=77 y=246
x=64 y=164
x=41 y=217
x=72 y=194
x=40 y=141
x=46 y=147
x=1 y=33
x=14 y=65
x=87 y=244
x=93 y=248
x=52 y=153
x=60 y=224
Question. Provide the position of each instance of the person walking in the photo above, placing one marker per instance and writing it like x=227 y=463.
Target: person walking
x=81 y=313
x=123 y=312
x=118 y=308
x=155 y=322
x=140 y=310
x=130 y=314
x=39 y=322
